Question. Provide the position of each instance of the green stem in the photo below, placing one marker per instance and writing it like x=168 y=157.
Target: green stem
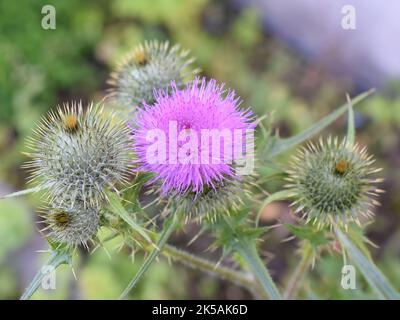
x=169 y=227
x=298 y=275
x=56 y=259
x=248 y=252
x=209 y=267
x=372 y=274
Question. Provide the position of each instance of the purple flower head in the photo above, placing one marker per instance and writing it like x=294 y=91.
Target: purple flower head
x=189 y=138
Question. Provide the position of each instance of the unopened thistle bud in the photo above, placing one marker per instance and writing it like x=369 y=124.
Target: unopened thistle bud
x=150 y=66
x=331 y=183
x=226 y=197
x=71 y=224
x=77 y=154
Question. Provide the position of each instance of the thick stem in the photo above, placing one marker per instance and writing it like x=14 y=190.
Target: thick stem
x=56 y=259
x=372 y=274
x=210 y=267
x=248 y=252
x=168 y=230
x=298 y=275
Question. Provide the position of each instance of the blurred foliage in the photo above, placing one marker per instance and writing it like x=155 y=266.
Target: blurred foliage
x=15 y=226
x=41 y=68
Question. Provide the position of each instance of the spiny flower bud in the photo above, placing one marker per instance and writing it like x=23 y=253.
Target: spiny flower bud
x=78 y=154
x=150 y=66
x=226 y=197
x=71 y=224
x=331 y=183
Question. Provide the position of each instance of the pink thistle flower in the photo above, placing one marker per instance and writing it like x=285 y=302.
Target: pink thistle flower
x=190 y=137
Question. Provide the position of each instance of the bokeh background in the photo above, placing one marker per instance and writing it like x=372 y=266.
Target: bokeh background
x=291 y=58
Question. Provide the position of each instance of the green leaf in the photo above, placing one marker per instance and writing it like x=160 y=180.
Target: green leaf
x=168 y=228
x=248 y=252
x=242 y=239
x=310 y=234
x=117 y=208
x=132 y=193
x=372 y=274
x=280 y=195
x=356 y=235
x=21 y=193
x=351 y=128
x=280 y=145
x=57 y=258
x=227 y=228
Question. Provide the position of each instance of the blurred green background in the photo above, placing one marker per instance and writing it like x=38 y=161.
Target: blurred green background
x=42 y=68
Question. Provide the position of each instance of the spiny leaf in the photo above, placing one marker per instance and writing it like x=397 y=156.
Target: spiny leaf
x=279 y=145
x=169 y=226
x=356 y=234
x=247 y=250
x=21 y=193
x=310 y=234
x=117 y=208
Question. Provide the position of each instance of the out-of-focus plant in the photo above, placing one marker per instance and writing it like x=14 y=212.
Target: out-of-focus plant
x=81 y=160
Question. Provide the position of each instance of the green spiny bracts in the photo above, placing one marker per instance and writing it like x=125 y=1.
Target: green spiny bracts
x=78 y=154
x=226 y=197
x=152 y=66
x=71 y=224
x=331 y=183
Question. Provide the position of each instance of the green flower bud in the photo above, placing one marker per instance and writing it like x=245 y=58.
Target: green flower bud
x=227 y=196
x=331 y=183
x=72 y=225
x=152 y=66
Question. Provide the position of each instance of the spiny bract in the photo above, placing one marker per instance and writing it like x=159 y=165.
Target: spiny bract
x=226 y=197
x=71 y=224
x=331 y=183
x=78 y=154
x=152 y=66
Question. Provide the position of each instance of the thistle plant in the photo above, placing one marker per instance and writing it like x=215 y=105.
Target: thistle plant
x=78 y=154
x=94 y=168
x=150 y=66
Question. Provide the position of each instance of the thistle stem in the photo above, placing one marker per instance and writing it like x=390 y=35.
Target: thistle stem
x=248 y=252
x=209 y=267
x=56 y=259
x=372 y=274
x=169 y=227
x=298 y=275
